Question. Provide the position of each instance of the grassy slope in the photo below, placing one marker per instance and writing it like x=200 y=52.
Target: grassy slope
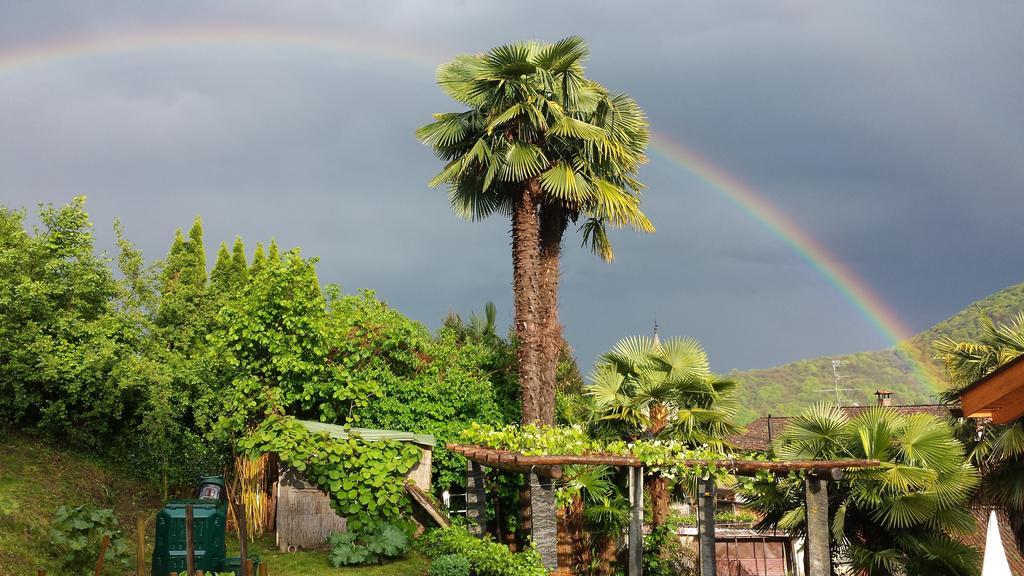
x=785 y=390
x=36 y=479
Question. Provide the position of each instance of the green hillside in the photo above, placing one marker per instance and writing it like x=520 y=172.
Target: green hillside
x=787 y=389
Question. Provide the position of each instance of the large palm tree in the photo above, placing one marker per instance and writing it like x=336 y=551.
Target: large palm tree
x=900 y=518
x=645 y=388
x=541 y=144
x=998 y=451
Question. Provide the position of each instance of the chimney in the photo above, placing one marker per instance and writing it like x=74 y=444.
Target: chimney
x=884 y=397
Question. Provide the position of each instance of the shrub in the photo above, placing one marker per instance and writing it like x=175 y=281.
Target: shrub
x=371 y=546
x=449 y=565
x=485 y=556
x=77 y=532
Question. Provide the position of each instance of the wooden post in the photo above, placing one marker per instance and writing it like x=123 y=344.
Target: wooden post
x=706 y=515
x=636 y=522
x=243 y=538
x=476 y=498
x=248 y=566
x=263 y=568
x=140 y=546
x=190 y=545
x=816 y=550
x=103 y=552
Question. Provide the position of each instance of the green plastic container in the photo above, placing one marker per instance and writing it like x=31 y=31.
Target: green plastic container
x=209 y=519
x=208 y=523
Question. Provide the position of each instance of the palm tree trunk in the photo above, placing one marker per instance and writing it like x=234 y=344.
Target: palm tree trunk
x=573 y=552
x=553 y=222
x=607 y=548
x=525 y=269
x=657 y=484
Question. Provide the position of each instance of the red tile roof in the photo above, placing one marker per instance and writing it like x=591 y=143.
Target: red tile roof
x=976 y=538
x=760 y=433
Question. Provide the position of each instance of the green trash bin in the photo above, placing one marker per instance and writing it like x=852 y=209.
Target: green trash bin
x=209 y=519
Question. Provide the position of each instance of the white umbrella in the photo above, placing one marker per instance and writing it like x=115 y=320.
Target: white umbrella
x=995 y=556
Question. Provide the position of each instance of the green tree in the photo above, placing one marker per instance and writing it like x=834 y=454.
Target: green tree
x=65 y=342
x=273 y=342
x=544 y=145
x=239 y=265
x=259 y=258
x=998 y=451
x=900 y=518
x=647 y=388
x=220 y=276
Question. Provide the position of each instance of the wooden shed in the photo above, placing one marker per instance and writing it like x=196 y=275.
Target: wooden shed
x=304 y=515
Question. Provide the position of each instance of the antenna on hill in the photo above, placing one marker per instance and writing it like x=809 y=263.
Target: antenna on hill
x=836 y=377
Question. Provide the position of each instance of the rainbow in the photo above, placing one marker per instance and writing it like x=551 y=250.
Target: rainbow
x=754 y=204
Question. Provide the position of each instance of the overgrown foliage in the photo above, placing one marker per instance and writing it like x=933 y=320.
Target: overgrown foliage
x=161 y=369
x=78 y=531
x=373 y=544
x=449 y=565
x=485 y=556
x=365 y=480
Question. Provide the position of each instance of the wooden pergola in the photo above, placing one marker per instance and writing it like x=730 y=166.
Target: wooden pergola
x=544 y=515
x=999 y=396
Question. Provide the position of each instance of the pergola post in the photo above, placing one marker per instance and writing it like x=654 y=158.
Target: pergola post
x=816 y=550
x=706 y=517
x=636 y=521
x=545 y=520
x=476 y=498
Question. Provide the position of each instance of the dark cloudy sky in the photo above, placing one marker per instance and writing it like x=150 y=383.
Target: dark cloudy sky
x=893 y=133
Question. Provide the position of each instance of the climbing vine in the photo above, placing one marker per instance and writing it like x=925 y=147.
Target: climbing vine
x=661 y=456
x=365 y=480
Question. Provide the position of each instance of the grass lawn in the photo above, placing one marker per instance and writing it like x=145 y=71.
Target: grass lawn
x=36 y=479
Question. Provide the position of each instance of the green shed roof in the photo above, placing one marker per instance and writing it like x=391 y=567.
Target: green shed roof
x=369 y=434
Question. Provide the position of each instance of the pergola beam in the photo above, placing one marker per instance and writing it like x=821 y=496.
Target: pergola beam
x=551 y=465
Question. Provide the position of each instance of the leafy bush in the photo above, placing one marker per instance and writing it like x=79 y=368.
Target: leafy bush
x=371 y=546
x=77 y=532
x=449 y=565
x=665 y=555
x=485 y=556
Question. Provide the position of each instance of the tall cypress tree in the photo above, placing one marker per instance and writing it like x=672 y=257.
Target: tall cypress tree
x=259 y=260
x=183 y=288
x=274 y=254
x=239 y=266
x=197 y=256
x=222 y=276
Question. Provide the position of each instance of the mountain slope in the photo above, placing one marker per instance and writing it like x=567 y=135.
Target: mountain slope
x=787 y=389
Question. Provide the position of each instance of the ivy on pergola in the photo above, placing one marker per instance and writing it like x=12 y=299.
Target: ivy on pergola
x=544 y=523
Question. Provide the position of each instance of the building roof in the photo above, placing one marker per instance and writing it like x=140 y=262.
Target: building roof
x=999 y=396
x=976 y=538
x=760 y=433
x=369 y=434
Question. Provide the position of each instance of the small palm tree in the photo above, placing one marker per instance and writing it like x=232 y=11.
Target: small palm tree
x=645 y=388
x=542 y=144
x=997 y=451
x=900 y=518
x=594 y=518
